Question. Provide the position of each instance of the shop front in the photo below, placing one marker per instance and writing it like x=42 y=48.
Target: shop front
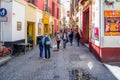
x=86 y=21
x=31 y=23
x=105 y=33
x=46 y=23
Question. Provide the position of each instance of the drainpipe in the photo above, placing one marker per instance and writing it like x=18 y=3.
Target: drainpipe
x=100 y=35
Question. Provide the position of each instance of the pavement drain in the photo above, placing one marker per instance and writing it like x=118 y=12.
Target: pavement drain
x=76 y=74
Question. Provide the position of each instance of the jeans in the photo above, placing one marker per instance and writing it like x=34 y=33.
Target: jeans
x=64 y=44
x=41 y=51
x=47 y=51
x=58 y=44
x=78 y=41
x=71 y=40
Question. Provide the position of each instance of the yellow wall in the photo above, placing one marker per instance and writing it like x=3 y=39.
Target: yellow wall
x=31 y=11
x=46 y=20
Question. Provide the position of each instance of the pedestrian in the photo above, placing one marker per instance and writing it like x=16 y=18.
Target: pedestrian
x=41 y=48
x=78 y=38
x=64 y=38
x=71 y=37
x=58 y=40
x=47 y=42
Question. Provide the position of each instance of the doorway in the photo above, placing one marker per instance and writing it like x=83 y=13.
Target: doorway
x=86 y=26
x=46 y=29
x=31 y=32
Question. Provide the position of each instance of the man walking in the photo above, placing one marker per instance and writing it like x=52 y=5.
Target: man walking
x=71 y=37
x=64 y=38
x=47 y=42
x=78 y=38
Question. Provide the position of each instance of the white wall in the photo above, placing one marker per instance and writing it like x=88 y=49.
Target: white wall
x=39 y=20
x=7 y=31
x=95 y=22
x=19 y=15
x=109 y=41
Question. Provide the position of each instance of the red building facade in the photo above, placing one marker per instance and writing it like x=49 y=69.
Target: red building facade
x=52 y=7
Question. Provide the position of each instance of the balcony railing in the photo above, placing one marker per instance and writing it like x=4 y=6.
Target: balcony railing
x=31 y=1
x=47 y=9
x=58 y=1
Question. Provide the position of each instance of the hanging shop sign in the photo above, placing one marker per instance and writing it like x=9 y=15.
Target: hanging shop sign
x=112 y=23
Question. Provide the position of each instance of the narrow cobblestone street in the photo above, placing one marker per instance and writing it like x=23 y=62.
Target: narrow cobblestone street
x=58 y=67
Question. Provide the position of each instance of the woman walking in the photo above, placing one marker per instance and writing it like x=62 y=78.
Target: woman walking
x=64 y=38
x=58 y=40
x=78 y=38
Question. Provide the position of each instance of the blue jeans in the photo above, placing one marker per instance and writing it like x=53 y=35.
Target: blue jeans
x=64 y=44
x=71 y=40
x=41 y=51
x=47 y=51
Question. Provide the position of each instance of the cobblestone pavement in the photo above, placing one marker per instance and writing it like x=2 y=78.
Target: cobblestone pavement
x=58 y=67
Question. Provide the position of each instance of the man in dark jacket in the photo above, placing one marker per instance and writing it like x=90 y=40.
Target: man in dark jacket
x=71 y=37
x=78 y=38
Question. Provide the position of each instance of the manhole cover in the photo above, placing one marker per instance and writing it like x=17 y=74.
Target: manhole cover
x=77 y=74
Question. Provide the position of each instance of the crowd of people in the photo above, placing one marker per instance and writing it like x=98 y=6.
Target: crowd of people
x=65 y=36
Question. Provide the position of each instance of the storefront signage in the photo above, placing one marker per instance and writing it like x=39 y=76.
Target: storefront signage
x=112 y=23
x=3 y=12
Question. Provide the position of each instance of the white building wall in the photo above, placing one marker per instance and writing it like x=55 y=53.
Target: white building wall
x=96 y=22
x=109 y=41
x=19 y=16
x=7 y=26
x=39 y=21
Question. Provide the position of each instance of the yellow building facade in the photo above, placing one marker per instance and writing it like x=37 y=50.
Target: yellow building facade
x=31 y=20
x=46 y=23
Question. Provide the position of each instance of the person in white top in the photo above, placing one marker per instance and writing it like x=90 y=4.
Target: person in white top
x=58 y=40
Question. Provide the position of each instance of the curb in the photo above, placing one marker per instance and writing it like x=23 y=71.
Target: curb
x=4 y=60
x=110 y=70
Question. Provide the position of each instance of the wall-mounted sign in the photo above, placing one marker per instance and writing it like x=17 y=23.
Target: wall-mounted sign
x=112 y=23
x=3 y=19
x=3 y=12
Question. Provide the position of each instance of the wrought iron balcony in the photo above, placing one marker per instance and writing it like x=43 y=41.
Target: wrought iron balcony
x=58 y=1
x=31 y=1
x=47 y=9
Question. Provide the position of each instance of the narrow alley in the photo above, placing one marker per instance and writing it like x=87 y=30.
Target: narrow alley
x=58 y=67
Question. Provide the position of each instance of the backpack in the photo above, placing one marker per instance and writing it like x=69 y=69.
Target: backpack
x=47 y=41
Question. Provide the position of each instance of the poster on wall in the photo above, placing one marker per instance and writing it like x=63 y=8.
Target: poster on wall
x=19 y=26
x=39 y=28
x=112 y=23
